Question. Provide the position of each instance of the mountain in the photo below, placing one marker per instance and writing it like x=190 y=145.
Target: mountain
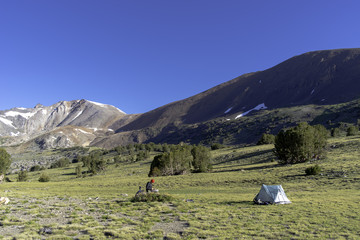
x=309 y=87
x=50 y=126
x=320 y=77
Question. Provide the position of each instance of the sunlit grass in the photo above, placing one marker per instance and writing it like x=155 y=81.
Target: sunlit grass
x=206 y=205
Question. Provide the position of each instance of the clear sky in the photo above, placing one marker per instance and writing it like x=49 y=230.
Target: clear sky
x=141 y=54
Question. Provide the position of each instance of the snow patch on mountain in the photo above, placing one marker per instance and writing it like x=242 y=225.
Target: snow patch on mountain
x=98 y=104
x=77 y=115
x=82 y=131
x=24 y=115
x=105 y=105
x=258 y=107
x=229 y=109
x=7 y=122
x=15 y=134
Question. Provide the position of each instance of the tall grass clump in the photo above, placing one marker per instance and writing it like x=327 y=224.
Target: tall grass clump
x=22 y=176
x=44 y=178
x=313 y=170
x=152 y=197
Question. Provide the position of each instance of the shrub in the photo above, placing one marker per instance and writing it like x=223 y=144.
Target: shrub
x=36 y=168
x=266 y=139
x=181 y=160
x=300 y=144
x=22 y=176
x=152 y=197
x=172 y=163
x=352 y=131
x=335 y=132
x=142 y=156
x=216 y=146
x=5 y=161
x=155 y=172
x=63 y=162
x=94 y=163
x=314 y=170
x=201 y=159
x=97 y=165
x=78 y=171
x=44 y=178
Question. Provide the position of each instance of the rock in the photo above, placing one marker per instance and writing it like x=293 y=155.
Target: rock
x=45 y=230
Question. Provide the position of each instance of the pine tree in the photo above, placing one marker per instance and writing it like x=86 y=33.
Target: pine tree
x=5 y=161
x=300 y=144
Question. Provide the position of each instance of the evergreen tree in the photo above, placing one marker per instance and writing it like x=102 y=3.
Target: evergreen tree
x=78 y=171
x=5 y=161
x=171 y=163
x=266 y=139
x=181 y=160
x=22 y=176
x=335 y=132
x=352 y=131
x=300 y=144
x=201 y=159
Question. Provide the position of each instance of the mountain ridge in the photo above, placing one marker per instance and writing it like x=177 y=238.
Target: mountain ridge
x=22 y=124
x=317 y=78
x=307 y=72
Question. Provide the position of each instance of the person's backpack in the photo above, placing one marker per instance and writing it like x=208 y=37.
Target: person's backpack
x=148 y=186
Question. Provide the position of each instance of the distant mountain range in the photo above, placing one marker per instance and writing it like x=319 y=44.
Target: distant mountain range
x=317 y=79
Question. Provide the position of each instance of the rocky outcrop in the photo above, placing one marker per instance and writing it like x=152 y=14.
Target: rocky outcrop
x=64 y=124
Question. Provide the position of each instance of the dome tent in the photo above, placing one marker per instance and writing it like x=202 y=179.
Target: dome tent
x=270 y=194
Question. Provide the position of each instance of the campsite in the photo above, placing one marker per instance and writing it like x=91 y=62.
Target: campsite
x=214 y=205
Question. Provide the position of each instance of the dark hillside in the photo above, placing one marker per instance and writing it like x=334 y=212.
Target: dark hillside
x=319 y=77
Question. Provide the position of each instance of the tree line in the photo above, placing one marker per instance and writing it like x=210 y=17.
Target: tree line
x=293 y=145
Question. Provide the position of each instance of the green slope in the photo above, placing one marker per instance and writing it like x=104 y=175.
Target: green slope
x=216 y=205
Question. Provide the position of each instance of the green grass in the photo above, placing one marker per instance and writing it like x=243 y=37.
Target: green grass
x=214 y=205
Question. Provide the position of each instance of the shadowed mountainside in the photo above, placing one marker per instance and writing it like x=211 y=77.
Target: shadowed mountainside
x=319 y=77
x=307 y=87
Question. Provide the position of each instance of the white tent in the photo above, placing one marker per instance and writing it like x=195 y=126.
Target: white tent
x=270 y=194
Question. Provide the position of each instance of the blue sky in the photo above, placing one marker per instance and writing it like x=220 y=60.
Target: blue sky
x=140 y=55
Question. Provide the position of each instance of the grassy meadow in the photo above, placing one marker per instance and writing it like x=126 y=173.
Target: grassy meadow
x=216 y=205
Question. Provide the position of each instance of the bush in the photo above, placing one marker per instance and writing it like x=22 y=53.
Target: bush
x=44 y=178
x=181 y=160
x=201 y=159
x=22 y=176
x=216 y=146
x=142 y=155
x=78 y=171
x=94 y=163
x=352 y=131
x=63 y=162
x=5 y=161
x=97 y=165
x=335 y=132
x=266 y=139
x=152 y=197
x=36 y=168
x=155 y=172
x=173 y=163
x=300 y=144
x=314 y=170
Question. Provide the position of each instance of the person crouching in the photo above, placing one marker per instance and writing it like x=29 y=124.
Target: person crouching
x=149 y=186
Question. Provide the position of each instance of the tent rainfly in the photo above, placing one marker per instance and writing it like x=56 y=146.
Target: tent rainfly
x=270 y=194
